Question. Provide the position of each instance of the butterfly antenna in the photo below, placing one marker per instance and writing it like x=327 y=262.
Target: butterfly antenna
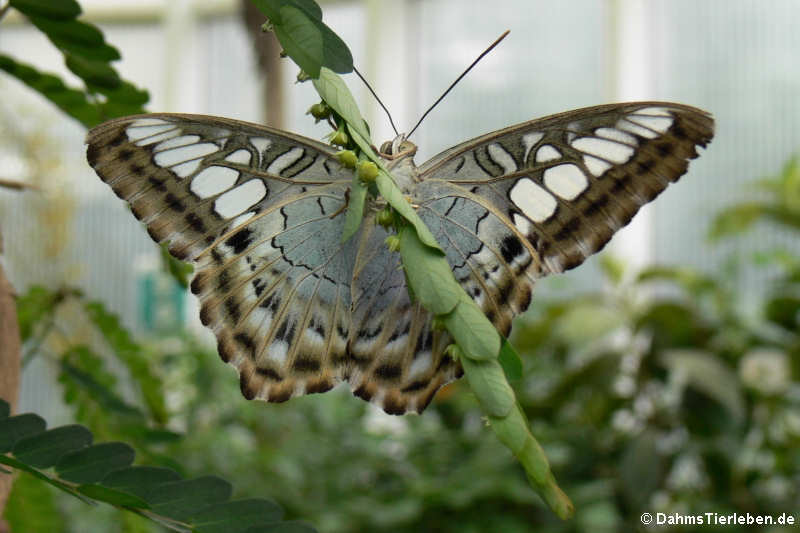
x=458 y=80
x=378 y=99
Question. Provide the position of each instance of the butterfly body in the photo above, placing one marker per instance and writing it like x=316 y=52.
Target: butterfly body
x=261 y=213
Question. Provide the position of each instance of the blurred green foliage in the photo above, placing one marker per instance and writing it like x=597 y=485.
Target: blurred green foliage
x=661 y=392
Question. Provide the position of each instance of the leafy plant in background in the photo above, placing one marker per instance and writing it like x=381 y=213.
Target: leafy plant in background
x=656 y=394
x=102 y=473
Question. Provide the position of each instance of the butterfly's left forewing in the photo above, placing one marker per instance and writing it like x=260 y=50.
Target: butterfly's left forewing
x=261 y=213
x=541 y=197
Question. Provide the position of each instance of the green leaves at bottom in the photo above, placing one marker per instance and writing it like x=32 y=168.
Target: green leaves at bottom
x=101 y=473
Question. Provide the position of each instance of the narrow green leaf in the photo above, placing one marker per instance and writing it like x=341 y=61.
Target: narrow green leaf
x=472 y=331
x=179 y=270
x=53 y=9
x=132 y=355
x=489 y=384
x=355 y=208
x=96 y=73
x=283 y=527
x=301 y=39
x=428 y=274
x=510 y=360
x=13 y=429
x=182 y=499
x=77 y=38
x=235 y=516
x=44 y=449
x=73 y=102
x=92 y=464
x=5 y=409
x=140 y=480
x=394 y=197
x=112 y=496
x=305 y=38
x=332 y=88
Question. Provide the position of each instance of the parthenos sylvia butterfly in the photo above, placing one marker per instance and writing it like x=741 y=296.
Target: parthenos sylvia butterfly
x=260 y=211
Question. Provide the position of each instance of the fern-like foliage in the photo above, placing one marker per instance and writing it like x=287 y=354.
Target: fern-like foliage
x=105 y=473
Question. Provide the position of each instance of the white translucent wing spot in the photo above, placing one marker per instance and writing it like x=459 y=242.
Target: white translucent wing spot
x=285 y=160
x=187 y=169
x=175 y=156
x=567 y=181
x=630 y=127
x=240 y=156
x=616 y=135
x=522 y=224
x=241 y=219
x=169 y=134
x=604 y=149
x=657 y=123
x=658 y=111
x=260 y=143
x=529 y=140
x=213 y=180
x=547 y=152
x=240 y=199
x=596 y=166
x=143 y=130
x=500 y=156
x=535 y=202
x=183 y=140
x=277 y=352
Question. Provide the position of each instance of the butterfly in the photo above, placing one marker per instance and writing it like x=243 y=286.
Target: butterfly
x=261 y=211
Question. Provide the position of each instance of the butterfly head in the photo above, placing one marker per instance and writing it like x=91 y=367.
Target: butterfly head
x=398 y=148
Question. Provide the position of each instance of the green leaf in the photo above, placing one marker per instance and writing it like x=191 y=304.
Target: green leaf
x=182 y=499
x=140 y=480
x=333 y=90
x=74 y=37
x=641 y=470
x=132 y=355
x=510 y=360
x=46 y=448
x=489 y=384
x=735 y=220
x=5 y=409
x=355 y=208
x=304 y=37
x=283 y=527
x=112 y=496
x=706 y=373
x=73 y=102
x=97 y=74
x=472 y=331
x=428 y=274
x=92 y=464
x=394 y=197
x=179 y=270
x=88 y=376
x=13 y=429
x=235 y=516
x=53 y=9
